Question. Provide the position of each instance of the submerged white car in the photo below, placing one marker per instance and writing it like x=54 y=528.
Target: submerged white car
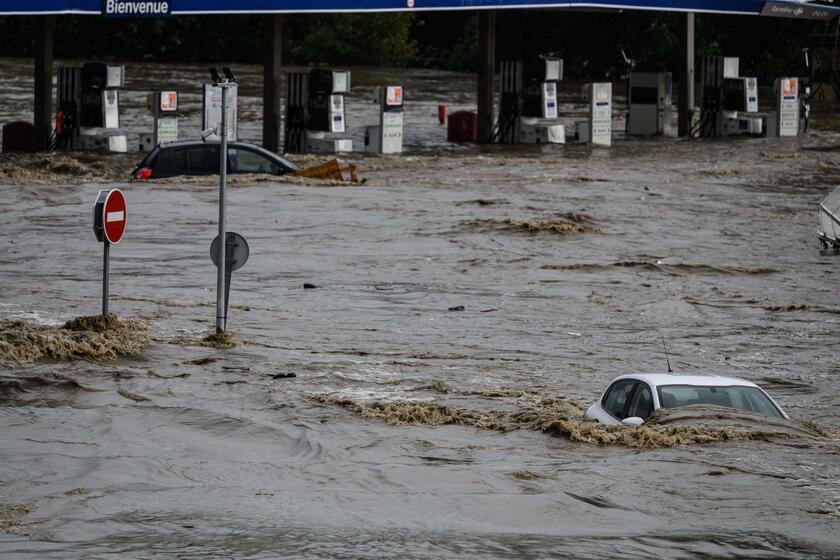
x=631 y=399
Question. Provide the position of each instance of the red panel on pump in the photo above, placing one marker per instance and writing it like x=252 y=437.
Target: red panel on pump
x=462 y=127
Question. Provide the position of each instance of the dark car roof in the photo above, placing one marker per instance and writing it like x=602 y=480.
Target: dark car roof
x=191 y=143
x=234 y=144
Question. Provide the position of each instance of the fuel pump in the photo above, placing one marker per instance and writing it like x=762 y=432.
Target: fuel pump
x=598 y=129
x=315 y=115
x=510 y=102
x=528 y=107
x=786 y=121
x=539 y=87
x=88 y=106
x=387 y=137
x=792 y=115
x=726 y=95
x=100 y=95
x=164 y=108
x=297 y=112
x=326 y=117
x=69 y=106
x=327 y=89
x=649 y=102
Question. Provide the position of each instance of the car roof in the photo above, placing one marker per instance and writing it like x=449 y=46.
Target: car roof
x=701 y=379
x=199 y=142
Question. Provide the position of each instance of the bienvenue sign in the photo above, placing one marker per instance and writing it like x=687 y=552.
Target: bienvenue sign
x=136 y=8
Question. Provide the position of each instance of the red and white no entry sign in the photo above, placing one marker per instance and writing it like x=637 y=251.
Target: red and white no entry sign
x=110 y=216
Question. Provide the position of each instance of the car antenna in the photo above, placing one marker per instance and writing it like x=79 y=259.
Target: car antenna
x=667 y=361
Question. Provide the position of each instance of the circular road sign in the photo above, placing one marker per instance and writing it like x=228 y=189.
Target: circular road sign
x=236 y=251
x=114 y=216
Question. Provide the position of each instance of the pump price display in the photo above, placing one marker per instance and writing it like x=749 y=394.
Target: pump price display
x=136 y=8
x=168 y=101
x=393 y=96
x=789 y=87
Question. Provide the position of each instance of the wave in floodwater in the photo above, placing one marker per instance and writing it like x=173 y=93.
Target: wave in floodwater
x=562 y=417
x=566 y=225
x=660 y=266
x=95 y=337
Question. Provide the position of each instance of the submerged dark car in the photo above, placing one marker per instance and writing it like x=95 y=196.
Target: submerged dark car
x=196 y=157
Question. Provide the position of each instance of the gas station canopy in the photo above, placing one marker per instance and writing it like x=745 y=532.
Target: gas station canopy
x=163 y=8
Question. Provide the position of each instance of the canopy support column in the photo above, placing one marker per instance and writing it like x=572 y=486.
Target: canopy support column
x=686 y=75
x=486 y=70
x=44 y=40
x=272 y=87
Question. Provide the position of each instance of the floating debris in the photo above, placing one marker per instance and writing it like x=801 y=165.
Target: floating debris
x=96 y=337
x=10 y=515
x=525 y=475
x=221 y=340
x=331 y=170
x=131 y=396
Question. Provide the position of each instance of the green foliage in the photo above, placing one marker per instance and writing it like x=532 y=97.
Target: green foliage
x=339 y=39
x=460 y=57
x=357 y=39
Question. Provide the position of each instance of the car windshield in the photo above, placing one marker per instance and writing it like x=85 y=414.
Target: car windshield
x=287 y=163
x=252 y=159
x=750 y=399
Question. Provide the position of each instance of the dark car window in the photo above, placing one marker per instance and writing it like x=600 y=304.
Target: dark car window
x=203 y=159
x=179 y=161
x=641 y=404
x=164 y=163
x=615 y=401
x=248 y=161
x=742 y=398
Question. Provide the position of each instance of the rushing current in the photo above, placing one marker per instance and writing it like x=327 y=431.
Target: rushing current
x=463 y=306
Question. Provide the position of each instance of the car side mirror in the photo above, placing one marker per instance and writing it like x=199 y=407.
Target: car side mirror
x=632 y=421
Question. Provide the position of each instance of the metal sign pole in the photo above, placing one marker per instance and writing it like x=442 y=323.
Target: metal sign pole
x=221 y=320
x=105 y=278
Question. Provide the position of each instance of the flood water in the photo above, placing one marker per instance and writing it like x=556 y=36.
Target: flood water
x=571 y=264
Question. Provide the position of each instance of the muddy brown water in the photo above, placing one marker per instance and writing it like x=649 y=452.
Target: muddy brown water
x=410 y=430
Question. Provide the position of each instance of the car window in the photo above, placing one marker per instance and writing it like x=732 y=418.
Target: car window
x=203 y=159
x=641 y=404
x=749 y=399
x=289 y=165
x=179 y=161
x=615 y=401
x=248 y=161
x=164 y=163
